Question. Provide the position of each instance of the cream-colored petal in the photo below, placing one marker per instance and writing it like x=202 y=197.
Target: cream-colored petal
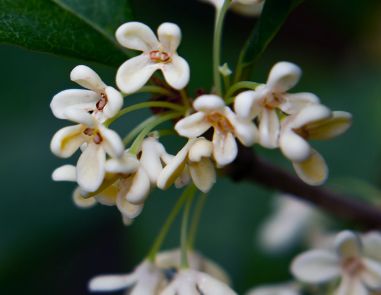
x=316 y=266
x=67 y=141
x=87 y=78
x=137 y=36
x=174 y=168
x=91 y=167
x=201 y=148
x=108 y=196
x=208 y=103
x=210 y=267
x=348 y=244
x=184 y=178
x=332 y=127
x=65 y=173
x=80 y=116
x=193 y=125
x=114 y=102
x=127 y=164
x=139 y=188
x=283 y=76
x=276 y=289
x=80 y=99
x=252 y=10
x=314 y=170
x=150 y=159
x=269 y=129
x=111 y=282
x=245 y=130
x=371 y=275
x=209 y=285
x=225 y=148
x=128 y=209
x=351 y=286
x=203 y=174
x=176 y=72
x=112 y=143
x=82 y=202
x=135 y=72
x=247 y=104
x=310 y=115
x=372 y=245
x=294 y=103
x=169 y=36
x=294 y=147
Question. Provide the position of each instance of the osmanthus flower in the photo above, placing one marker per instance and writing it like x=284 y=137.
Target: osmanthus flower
x=358 y=273
x=276 y=289
x=268 y=99
x=81 y=105
x=157 y=54
x=109 y=196
x=95 y=141
x=193 y=282
x=253 y=7
x=314 y=122
x=213 y=113
x=195 y=157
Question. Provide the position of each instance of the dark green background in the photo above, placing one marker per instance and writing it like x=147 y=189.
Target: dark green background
x=48 y=246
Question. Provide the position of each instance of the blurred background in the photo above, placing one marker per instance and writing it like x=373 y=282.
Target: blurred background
x=48 y=246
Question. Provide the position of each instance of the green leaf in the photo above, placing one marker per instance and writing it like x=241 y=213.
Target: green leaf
x=81 y=29
x=274 y=14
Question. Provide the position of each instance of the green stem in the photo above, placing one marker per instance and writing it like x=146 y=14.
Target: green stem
x=184 y=230
x=220 y=15
x=196 y=220
x=135 y=132
x=229 y=97
x=147 y=129
x=154 y=89
x=168 y=222
x=185 y=99
x=144 y=105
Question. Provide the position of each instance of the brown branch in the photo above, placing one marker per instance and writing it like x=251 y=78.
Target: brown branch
x=250 y=167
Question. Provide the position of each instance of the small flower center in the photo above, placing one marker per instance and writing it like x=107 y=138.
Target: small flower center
x=352 y=266
x=272 y=101
x=220 y=122
x=102 y=102
x=160 y=56
x=94 y=134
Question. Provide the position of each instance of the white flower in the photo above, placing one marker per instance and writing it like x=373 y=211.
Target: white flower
x=195 y=156
x=81 y=105
x=145 y=279
x=192 y=282
x=157 y=55
x=315 y=122
x=292 y=220
x=270 y=97
x=278 y=289
x=246 y=7
x=95 y=141
x=213 y=113
x=358 y=273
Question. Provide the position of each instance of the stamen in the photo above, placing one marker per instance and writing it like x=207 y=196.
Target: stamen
x=97 y=138
x=220 y=122
x=160 y=56
x=89 y=131
x=102 y=102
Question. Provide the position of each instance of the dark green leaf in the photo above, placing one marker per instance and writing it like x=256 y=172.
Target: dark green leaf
x=81 y=29
x=274 y=14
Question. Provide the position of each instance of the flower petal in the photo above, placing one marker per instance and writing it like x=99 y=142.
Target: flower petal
x=283 y=76
x=316 y=266
x=112 y=143
x=203 y=174
x=65 y=173
x=348 y=244
x=294 y=103
x=246 y=104
x=87 y=78
x=137 y=36
x=201 y=148
x=336 y=125
x=134 y=73
x=372 y=245
x=114 y=102
x=111 y=282
x=80 y=99
x=294 y=147
x=209 y=285
x=82 y=202
x=371 y=276
x=310 y=115
x=176 y=72
x=269 y=129
x=128 y=209
x=314 y=170
x=169 y=36
x=139 y=188
x=109 y=195
x=91 y=167
x=174 y=168
x=244 y=130
x=67 y=141
x=225 y=148
x=127 y=164
x=209 y=103
x=193 y=125
x=351 y=286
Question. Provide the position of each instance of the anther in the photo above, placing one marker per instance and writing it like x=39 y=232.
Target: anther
x=102 y=102
x=159 y=56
